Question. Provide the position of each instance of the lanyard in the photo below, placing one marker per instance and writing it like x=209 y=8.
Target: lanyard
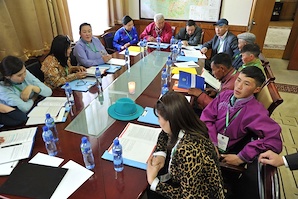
x=93 y=49
x=66 y=70
x=228 y=120
x=130 y=37
x=17 y=87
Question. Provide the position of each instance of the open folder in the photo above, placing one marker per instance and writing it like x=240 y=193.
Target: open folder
x=138 y=143
x=148 y=116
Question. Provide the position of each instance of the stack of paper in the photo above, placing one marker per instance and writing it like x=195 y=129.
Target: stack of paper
x=91 y=70
x=81 y=85
x=115 y=61
x=209 y=79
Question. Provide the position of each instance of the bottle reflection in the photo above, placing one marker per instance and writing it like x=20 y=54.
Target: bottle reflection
x=119 y=177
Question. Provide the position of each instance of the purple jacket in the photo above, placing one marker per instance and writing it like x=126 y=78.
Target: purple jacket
x=252 y=117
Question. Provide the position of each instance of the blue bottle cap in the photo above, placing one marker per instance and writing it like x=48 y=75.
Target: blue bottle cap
x=48 y=115
x=45 y=128
x=66 y=84
x=84 y=139
x=116 y=141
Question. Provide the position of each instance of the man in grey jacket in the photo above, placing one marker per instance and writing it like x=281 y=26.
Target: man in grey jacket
x=190 y=35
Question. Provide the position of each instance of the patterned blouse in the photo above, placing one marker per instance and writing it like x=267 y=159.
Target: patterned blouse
x=55 y=74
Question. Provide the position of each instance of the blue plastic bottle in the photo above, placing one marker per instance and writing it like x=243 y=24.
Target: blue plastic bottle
x=174 y=54
x=179 y=47
x=164 y=77
x=98 y=77
x=48 y=138
x=169 y=65
x=127 y=59
x=164 y=89
x=69 y=94
x=117 y=153
x=50 y=123
x=172 y=41
x=87 y=153
x=158 y=40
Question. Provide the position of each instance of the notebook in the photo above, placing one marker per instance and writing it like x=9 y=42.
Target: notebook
x=148 y=116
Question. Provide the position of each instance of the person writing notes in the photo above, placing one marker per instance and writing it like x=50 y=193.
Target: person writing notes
x=125 y=36
x=18 y=87
x=193 y=170
x=56 y=66
x=89 y=51
x=158 y=28
x=190 y=35
x=269 y=157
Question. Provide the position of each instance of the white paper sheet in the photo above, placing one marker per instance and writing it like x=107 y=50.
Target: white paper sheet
x=188 y=64
x=194 y=53
x=131 y=53
x=115 y=61
x=44 y=159
x=73 y=179
x=6 y=168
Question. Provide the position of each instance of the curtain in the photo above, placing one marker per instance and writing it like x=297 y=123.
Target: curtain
x=117 y=10
x=29 y=26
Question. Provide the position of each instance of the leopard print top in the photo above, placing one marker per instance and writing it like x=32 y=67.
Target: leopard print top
x=194 y=167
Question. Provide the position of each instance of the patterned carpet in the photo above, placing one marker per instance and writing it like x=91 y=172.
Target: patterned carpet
x=277 y=37
x=287 y=88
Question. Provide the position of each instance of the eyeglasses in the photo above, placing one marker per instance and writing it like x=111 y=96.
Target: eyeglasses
x=81 y=83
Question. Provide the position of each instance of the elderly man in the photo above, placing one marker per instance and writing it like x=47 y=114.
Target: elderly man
x=190 y=35
x=223 y=41
x=243 y=39
x=158 y=28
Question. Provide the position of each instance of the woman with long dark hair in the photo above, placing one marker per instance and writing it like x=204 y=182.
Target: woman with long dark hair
x=56 y=66
x=193 y=170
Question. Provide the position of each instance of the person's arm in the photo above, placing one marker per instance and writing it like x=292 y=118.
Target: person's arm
x=135 y=37
x=166 y=34
x=181 y=34
x=147 y=32
x=196 y=37
x=116 y=40
x=43 y=89
x=267 y=130
x=209 y=43
x=291 y=161
x=202 y=98
x=12 y=117
x=269 y=157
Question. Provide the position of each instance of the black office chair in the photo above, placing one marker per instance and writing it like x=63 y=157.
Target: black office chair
x=33 y=65
x=108 y=41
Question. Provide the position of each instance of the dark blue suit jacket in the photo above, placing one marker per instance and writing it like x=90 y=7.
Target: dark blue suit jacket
x=230 y=45
x=292 y=160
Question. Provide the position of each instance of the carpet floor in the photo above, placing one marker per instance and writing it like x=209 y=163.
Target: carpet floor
x=287 y=88
x=277 y=37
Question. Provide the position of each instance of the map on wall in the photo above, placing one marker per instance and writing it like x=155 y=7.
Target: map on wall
x=198 y=10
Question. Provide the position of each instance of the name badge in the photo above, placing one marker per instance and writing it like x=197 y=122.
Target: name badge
x=222 y=142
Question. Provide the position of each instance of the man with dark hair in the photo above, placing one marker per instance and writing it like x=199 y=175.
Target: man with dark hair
x=233 y=117
x=223 y=41
x=222 y=69
x=191 y=34
x=250 y=56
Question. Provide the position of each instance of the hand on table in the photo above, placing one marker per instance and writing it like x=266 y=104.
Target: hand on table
x=1 y=140
x=232 y=159
x=25 y=94
x=106 y=58
x=204 y=50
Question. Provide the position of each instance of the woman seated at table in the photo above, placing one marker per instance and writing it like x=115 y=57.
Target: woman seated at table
x=56 y=66
x=88 y=50
x=125 y=36
x=18 y=87
x=10 y=116
x=193 y=170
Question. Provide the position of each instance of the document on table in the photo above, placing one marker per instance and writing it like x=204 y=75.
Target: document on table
x=187 y=64
x=131 y=53
x=47 y=160
x=17 y=145
x=91 y=70
x=194 y=53
x=209 y=79
x=115 y=61
x=73 y=179
x=6 y=168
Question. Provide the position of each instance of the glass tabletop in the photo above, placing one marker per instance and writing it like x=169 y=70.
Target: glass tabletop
x=94 y=119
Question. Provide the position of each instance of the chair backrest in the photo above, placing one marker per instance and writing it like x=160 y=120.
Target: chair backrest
x=33 y=66
x=268 y=182
x=268 y=72
x=108 y=41
x=269 y=97
x=173 y=30
x=202 y=38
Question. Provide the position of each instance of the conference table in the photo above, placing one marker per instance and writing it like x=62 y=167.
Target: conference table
x=90 y=118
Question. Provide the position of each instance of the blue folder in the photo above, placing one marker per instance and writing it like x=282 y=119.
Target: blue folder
x=188 y=80
x=107 y=156
x=148 y=116
x=80 y=85
x=185 y=58
x=113 y=69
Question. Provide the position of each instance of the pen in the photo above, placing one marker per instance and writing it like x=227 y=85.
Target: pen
x=14 y=164
x=11 y=145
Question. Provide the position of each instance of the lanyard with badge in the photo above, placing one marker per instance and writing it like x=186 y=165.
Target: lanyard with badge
x=222 y=139
x=17 y=88
x=93 y=49
x=130 y=37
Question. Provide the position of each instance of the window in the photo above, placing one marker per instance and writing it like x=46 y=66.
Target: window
x=94 y=12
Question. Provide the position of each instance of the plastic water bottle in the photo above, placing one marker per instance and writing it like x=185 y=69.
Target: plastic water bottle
x=169 y=65
x=172 y=41
x=98 y=77
x=127 y=59
x=145 y=47
x=69 y=94
x=87 y=153
x=117 y=153
x=158 y=40
x=48 y=138
x=142 y=48
x=164 y=89
x=179 y=47
x=174 y=54
x=164 y=77
x=50 y=123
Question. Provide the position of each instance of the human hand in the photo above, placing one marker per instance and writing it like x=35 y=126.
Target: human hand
x=150 y=38
x=195 y=92
x=152 y=170
x=126 y=45
x=204 y=50
x=158 y=160
x=211 y=92
x=269 y=157
x=106 y=58
x=81 y=75
x=1 y=140
x=25 y=94
x=232 y=159
x=185 y=43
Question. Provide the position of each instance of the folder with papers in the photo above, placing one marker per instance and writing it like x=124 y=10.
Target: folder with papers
x=148 y=116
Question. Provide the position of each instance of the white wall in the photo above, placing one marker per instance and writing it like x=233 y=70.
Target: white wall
x=235 y=11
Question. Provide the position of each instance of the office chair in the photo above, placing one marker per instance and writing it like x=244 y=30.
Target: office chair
x=33 y=65
x=108 y=41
